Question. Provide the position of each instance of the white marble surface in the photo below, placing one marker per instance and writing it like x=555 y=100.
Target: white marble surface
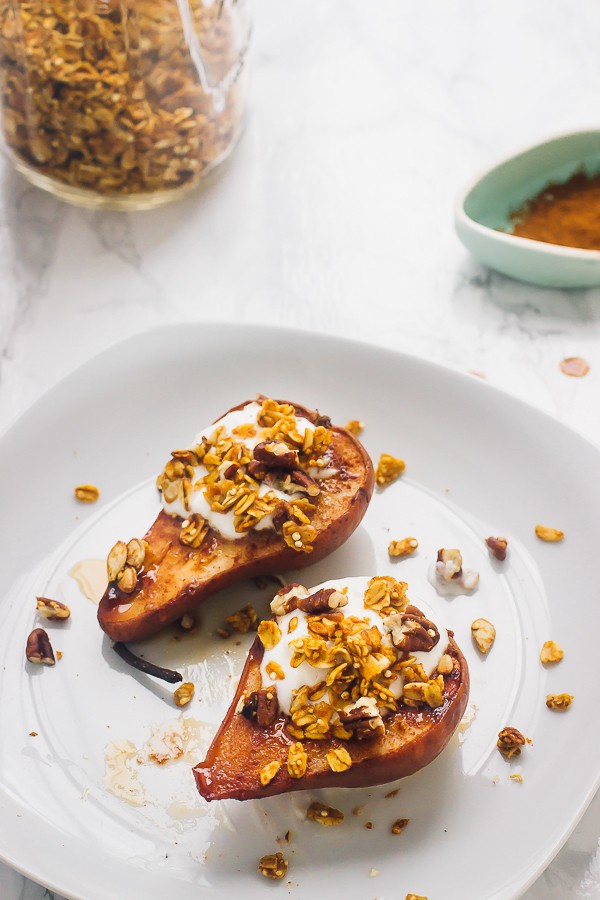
x=335 y=214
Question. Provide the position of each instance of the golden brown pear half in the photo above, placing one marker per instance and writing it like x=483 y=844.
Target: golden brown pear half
x=241 y=747
x=175 y=578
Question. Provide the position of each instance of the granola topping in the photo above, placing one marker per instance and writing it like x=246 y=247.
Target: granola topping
x=559 y=701
x=273 y=865
x=324 y=815
x=348 y=654
x=259 y=467
x=551 y=653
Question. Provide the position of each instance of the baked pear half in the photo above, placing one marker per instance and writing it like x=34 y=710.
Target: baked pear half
x=347 y=685
x=270 y=486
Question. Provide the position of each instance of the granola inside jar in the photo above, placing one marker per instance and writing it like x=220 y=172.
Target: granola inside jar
x=121 y=103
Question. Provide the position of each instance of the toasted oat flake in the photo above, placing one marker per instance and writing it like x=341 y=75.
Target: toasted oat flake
x=268 y=772
x=550 y=535
x=389 y=468
x=269 y=634
x=559 y=701
x=324 y=815
x=339 y=760
x=551 y=653
x=274 y=670
x=354 y=426
x=273 y=865
x=86 y=493
x=403 y=547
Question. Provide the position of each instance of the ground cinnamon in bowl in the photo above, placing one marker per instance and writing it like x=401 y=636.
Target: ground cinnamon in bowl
x=567 y=214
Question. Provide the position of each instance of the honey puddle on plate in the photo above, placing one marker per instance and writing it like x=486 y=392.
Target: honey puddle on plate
x=90 y=575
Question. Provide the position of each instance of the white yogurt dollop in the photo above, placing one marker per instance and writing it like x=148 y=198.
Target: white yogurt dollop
x=305 y=674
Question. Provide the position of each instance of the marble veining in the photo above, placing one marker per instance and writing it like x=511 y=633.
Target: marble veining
x=335 y=215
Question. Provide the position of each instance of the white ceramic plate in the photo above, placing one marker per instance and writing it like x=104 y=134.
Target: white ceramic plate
x=478 y=463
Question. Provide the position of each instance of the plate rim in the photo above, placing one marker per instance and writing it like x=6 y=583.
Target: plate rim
x=28 y=869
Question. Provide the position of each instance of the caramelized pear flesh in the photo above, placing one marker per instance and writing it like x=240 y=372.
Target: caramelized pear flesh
x=176 y=577
x=244 y=746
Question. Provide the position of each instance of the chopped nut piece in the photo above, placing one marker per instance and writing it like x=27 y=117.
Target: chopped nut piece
x=86 y=493
x=516 y=777
x=322 y=601
x=269 y=633
x=415 y=897
x=388 y=469
x=412 y=633
x=268 y=772
x=297 y=760
x=52 y=609
x=399 y=825
x=451 y=563
x=551 y=653
x=273 y=865
x=559 y=701
x=184 y=693
x=403 y=547
x=339 y=759
x=484 y=634
x=243 y=620
x=510 y=741
x=286 y=599
x=445 y=665
x=262 y=706
x=363 y=719
x=497 y=547
x=187 y=622
x=368 y=825
x=39 y=649
x=354 y=426
x=276 y=455
x=324 y=815
x=136 y=553
x=116 y=560
x=127 y=580
x=274 y=670
x=551 y=535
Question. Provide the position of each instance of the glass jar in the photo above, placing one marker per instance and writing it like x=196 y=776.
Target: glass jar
x=123 y=104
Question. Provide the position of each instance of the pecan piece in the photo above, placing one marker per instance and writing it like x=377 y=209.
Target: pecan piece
x=262 y=707
x=510 y=741
x=273 y=865
x=497 y=547
x=39 y=649
x=322 y=601
x=305 y=482
x=276 y=455
x=363 y=719
x=484 y=634
x=287 y=598
x=412 y=632
x=256 y=469
x=280 y=515
x=52 y=609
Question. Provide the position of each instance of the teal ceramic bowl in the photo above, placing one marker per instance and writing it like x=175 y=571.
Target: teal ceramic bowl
x=487 y=204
